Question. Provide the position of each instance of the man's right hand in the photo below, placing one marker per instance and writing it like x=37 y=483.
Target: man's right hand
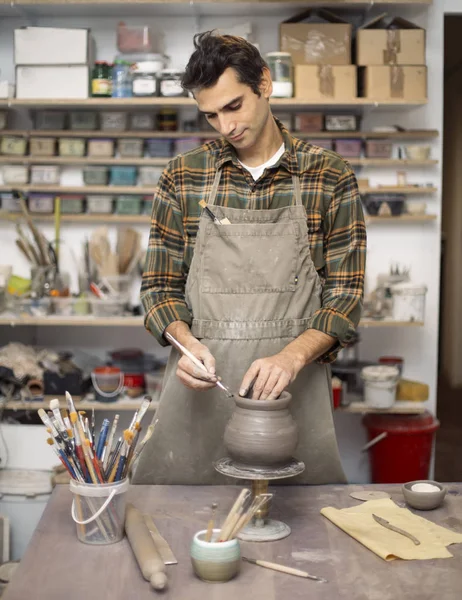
x=191 y=376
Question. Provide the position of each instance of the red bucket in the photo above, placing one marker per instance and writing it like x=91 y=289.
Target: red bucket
x=405 y=453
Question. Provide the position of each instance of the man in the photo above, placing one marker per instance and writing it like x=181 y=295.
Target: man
x=264 y=285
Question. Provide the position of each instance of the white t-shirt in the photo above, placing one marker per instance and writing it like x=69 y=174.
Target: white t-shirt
x=257 y=172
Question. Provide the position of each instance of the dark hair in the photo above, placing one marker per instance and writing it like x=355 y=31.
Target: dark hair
x=215 y=53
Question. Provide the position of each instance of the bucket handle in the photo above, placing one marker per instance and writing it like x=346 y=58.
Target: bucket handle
x=376 y=440
x=97 y=514
x=108 y=394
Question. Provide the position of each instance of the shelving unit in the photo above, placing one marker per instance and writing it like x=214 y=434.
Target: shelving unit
x=118 y=405
x=399 y=408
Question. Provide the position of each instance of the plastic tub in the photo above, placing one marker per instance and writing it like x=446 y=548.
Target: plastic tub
x=123 y=175
x=13 y=145
x=130 y=148
x=108 y=383
x=113 y=121
x=100 y=204
x=44 y=174
x=100 y=147
x=349 y=148
x=150 y=175
x=71 y=147
x=134 y=38
x=99 y=511
x=50 y=119
x=83 y=120
x=17 y=174
x=417 y=152
x=95 y=175
x=72 y=204
x=183 y=145
x=23 y=497
x=142 y=121
x=405 y=453
x=42 y=146
x=409 y=302
x=129 y=204
x=41 y=203
x=394 y=361
x=159 y=147
x=9 y=203
x=384 y=204
x=380 y=382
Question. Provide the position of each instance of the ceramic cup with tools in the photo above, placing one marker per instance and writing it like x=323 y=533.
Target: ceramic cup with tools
x=215 y=561
x=424 y=494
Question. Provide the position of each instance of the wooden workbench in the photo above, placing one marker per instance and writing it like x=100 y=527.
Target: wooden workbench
x=57 y=566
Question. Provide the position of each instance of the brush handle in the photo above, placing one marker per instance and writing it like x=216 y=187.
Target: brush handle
x=283 y=569
x=147 y=556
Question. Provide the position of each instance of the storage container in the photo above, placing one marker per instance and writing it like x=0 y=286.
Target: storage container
x=9 y=203
x=45 y=174
x=41 y=203
x=72 y=147
x=281 y=67
x=100 y=147
x=348 y=148
x=378 y=149
x=13 y=145
x=72 y=204
x=380 y=382
x=129 y=204
x=142 y=121
x=83 y=120
x=113 y=121
x=23 y=497
x=50 y=119
x=167 y=119
x=134 y=38
x=109 y=307
x=42 y=146
x=417 y=152
x=384 y=204
x=3 y=119
x=99 y=204
x=409 y=302
x=147 y=205
x=130 y=148
x=322 y=143
x=309 y=122
x=159 y=147
x=95 y=175
x=415 y=208
x=341 y=122
x=122 y=175
x=183 y=145
x=150 y=175
x=169 y=81
x=17 y=174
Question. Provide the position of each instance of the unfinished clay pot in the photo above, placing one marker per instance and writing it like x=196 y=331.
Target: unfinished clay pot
x=261 y=433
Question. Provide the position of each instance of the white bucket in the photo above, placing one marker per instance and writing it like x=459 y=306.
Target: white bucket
x=409 y=302
x=380 y=385
x=99 y=511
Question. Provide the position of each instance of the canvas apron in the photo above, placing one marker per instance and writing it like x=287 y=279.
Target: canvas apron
x=252 y=288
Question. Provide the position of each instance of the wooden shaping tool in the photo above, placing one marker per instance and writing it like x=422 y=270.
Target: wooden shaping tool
x=391 y=527
x=147 y=556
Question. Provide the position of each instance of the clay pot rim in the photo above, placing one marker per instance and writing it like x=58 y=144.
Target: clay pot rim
x=266 y=405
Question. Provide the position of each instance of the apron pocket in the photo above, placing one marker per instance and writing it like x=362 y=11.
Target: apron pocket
x=249 y=258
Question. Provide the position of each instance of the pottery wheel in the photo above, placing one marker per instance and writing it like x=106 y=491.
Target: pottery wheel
x=261 y=530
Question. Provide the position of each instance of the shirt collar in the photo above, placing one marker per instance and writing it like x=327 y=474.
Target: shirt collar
x=227 y=153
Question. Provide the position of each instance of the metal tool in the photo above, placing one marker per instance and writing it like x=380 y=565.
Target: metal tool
x=196 y=361
x=161 y=543
x=283 y=569
x=391 y=527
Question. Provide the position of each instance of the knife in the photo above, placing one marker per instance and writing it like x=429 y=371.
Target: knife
x=391 y=527
x=161 y=543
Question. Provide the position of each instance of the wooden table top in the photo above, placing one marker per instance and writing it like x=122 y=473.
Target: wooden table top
x=57 y=566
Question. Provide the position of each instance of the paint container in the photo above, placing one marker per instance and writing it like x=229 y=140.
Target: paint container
x=215 y=561
x=394 y=361
x=108 y=383
x=380 y=382
x=98 y=511
x=409 y=302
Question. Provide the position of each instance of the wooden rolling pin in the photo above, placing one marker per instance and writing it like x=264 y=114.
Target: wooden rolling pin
x=148 y=558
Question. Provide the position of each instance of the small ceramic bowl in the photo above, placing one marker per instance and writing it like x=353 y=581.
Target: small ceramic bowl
x=215 y=561
x=424 y=500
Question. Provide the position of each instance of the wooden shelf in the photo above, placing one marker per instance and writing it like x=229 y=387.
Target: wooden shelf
x=131 y=103
x=91 y=160
x=418 y=134
x=91 y=321
x=407 y=190
x=119 y=405
x=401 y=219
x=399 y=408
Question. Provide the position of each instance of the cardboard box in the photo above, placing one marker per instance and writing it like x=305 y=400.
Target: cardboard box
x=394 y=83
x=321 y=82
x=316 y=37
x=392 y=41
x=53 y=82
x=309 y=122
x=51 y=46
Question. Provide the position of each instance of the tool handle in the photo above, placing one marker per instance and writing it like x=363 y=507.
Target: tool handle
x=284 y=569
x=186 y=352
x=399 y=530
x=148 y=558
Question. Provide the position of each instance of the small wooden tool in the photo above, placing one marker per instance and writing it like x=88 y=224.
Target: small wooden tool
x=391 y=527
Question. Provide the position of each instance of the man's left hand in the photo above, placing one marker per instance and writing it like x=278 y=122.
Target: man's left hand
x=271 y=376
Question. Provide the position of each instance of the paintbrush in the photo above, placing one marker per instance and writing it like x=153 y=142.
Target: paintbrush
x=283 y=569
x=38 y=237
x=108 y=446
x=144 y=441
x=196 y=361
x=229 y=523
x=208 y=535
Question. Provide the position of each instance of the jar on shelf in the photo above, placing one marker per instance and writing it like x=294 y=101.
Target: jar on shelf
x=121 y=79
x=167 y=120
x=144 y=80
x=101 y=80
x=280 y=65
x=170 y=83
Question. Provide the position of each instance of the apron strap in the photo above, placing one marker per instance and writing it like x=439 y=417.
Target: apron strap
x=297 y=189
x=216 y=183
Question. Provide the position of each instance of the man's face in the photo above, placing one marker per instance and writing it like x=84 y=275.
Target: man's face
x=234 y=110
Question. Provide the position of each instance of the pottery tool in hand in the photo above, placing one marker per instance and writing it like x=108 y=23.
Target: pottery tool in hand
x=161 y=543
x=391 y=527
x=196 y=361
x=147 y=556
x=283 y=569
